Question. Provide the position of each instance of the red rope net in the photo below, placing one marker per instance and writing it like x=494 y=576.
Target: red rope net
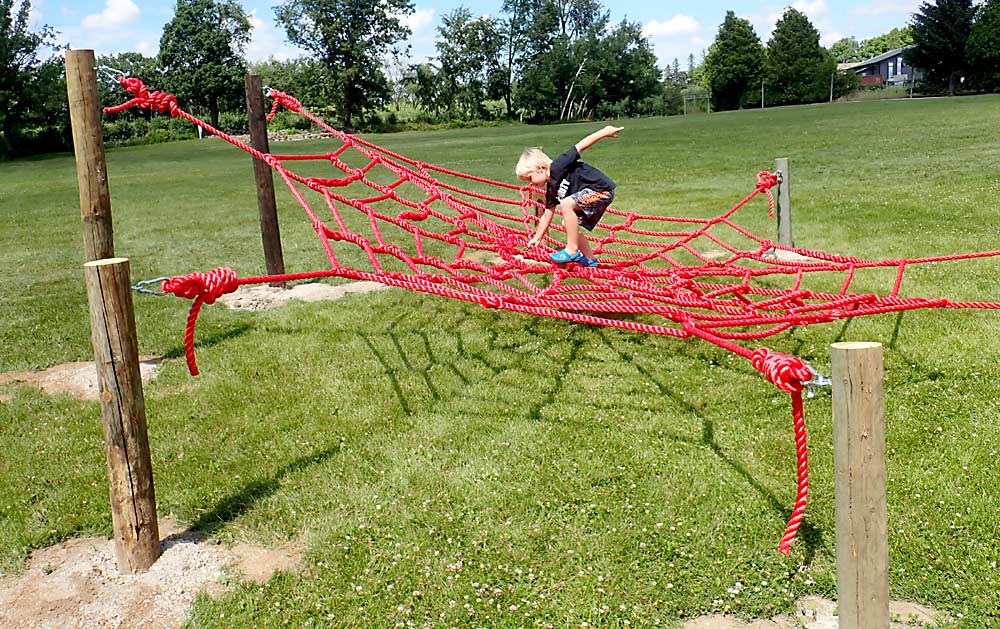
x=405 y=223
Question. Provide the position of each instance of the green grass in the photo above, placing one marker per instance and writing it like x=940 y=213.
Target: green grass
x=450 y=465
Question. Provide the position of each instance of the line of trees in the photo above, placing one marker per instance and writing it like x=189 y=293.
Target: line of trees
x=538 y=60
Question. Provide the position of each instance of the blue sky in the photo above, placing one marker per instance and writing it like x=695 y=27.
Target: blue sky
x=674 y=29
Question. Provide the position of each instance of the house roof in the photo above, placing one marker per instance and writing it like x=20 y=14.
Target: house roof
x=882 y=57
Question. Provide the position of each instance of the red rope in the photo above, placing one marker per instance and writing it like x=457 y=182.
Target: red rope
x=683 y=270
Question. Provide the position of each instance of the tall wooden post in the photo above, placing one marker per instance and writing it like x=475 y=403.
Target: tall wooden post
x=269 y=233
x=88 y=144
x=784 y=202
x=860 y=486
x=123 y=415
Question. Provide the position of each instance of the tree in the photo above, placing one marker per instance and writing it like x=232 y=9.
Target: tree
x=352 y=38
x=940 y=33
x=734 y=63
x=627 y=81
x=202 y=53
x=797 y=69
x=894 y=39
x=514 y=31
x=846 y=50
x=561 y=57
x=21 y=71
x=306 y=79
x=470 y=52
x=983 y=49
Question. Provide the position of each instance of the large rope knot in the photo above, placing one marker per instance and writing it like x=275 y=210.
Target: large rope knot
x=208 y=286
x=788 y=373
x=766 y=181
x=286 y=100
x=154 y=101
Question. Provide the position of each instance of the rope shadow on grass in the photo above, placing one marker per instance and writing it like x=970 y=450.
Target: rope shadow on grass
x=811 y=536
x=231 y=332
x=244 y=500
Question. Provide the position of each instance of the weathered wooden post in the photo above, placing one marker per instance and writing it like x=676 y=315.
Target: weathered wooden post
x=88 y=144
x=784 y=202
x=123 y=414
x=116 y=351
x=860 y=486
x=269 y=233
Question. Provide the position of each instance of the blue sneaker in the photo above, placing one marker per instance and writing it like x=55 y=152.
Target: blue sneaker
x=588 y=262
x=563 y=257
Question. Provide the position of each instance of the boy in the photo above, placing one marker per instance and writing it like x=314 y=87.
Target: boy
x=581 y=192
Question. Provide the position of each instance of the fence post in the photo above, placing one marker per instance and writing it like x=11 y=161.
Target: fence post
x=123 y=415
x=88 y=145
x=860 y=486
x=269 y=233
x=784 y=202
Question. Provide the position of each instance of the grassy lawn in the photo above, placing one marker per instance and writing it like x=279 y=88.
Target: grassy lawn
x=448 y=465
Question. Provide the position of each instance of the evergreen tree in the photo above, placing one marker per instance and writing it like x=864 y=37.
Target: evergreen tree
x=983 y=49
x=797 y=69
x=940 y=33
x=734 y=63
x=202 y=53
x=351 y=37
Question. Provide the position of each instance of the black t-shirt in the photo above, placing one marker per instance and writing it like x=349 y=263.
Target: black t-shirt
x=568 y=174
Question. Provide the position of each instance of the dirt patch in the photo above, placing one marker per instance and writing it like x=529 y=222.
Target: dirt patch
x=76 y=379
x=813 y=612
x=76 y=584
x=263 y=297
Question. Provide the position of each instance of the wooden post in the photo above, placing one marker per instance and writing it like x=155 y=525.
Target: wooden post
x=860 y=486
x=269 y=232
x=784 y=202
x=88 y=144
x=123 y=414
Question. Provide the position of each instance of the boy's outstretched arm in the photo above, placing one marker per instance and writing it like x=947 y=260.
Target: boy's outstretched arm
x=607 y=132
x=543 y=226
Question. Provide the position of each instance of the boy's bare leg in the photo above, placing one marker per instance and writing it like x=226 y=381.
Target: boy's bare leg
x=572 y=225
x=584 y=245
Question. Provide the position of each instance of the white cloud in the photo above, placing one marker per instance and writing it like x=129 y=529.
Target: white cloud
x=420 y=20
x=677 y=25
x=116 y=13
x=266 y=42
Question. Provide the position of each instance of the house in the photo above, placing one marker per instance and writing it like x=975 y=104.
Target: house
x=885 y=69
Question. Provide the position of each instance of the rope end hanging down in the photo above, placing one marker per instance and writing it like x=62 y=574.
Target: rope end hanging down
x=790 y=374
x=204 y=288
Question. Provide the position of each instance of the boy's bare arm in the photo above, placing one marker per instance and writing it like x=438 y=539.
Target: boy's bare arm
x=543 y=226
x=607 y=132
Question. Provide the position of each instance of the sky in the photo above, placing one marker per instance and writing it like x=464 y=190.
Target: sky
x=674 y=29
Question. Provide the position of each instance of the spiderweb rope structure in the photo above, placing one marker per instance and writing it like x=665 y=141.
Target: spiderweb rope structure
x=402 y=222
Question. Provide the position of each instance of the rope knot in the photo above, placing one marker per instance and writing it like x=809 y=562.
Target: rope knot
x=766 y=181
x=154 y=101
x=289 y=102
x=208 y=286
x=788 y=373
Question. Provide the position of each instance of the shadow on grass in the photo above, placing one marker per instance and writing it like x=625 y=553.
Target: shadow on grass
x=811 y=537
x=233 y=331
x=244 y=500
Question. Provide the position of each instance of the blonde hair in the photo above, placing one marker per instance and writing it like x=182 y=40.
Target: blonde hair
x=532 y=159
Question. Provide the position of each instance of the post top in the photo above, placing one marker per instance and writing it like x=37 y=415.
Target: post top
x=104 y=261
x=849 y=345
